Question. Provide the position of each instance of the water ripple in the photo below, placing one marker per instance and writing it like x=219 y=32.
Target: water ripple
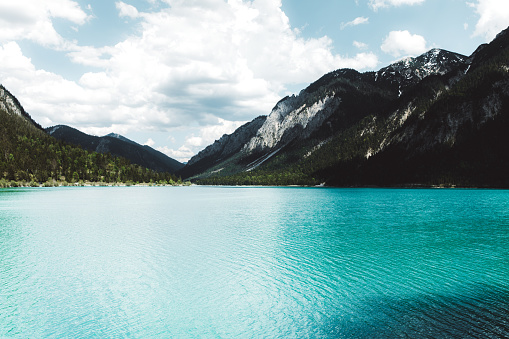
x=254 y=262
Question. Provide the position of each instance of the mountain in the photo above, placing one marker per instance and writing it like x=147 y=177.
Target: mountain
x=11 y=106
x=29 y=156
x=119 y=146
x=437 y=119
x=224 y=148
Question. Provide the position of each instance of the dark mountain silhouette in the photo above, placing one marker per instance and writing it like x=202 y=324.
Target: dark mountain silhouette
x=119 y=146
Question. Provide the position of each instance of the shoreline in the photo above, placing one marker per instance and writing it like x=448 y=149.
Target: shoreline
x=24 y=184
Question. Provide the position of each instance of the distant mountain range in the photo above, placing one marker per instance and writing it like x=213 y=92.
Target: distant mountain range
x=114 y=144
x=117 y=145
x=438 y=119
x=31 y=157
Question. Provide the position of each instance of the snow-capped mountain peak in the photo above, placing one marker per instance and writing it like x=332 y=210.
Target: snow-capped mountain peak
x=411 y=70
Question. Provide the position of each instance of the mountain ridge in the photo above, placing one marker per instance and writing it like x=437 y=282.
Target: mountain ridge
x=117 y=145
x=350 y=120
x=10 y=104
x=31 y=157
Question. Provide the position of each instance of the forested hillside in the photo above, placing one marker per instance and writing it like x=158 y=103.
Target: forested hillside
x=31 y=157
x=117 y=145
x=438 y=119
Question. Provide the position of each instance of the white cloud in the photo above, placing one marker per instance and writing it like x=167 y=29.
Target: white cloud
x=211 y=133
x=493 y=17
x=376 y=4
x=52 y=99
x=361 y=60
x=149 y=142
x=402 y=43
x=205 y=137
x=182 y=154
x=96 y=80
x=14 y=61
x=355 y=22
x=126 y=10
x=32 y=20
x=203 y=59
x=360 y=45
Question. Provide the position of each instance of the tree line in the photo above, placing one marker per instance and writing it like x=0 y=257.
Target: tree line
x=30 y=157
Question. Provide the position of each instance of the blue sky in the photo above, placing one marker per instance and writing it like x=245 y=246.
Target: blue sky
x=177 y=74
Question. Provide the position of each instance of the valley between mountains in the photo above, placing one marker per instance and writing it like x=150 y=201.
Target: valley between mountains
x=439 y=119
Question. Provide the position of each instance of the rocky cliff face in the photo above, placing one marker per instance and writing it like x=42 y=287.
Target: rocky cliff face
x=11 y=105
x=292 y=118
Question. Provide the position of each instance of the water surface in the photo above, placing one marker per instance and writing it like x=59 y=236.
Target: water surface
x=187 y=262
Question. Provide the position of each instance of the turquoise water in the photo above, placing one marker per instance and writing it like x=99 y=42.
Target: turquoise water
x=188 y=262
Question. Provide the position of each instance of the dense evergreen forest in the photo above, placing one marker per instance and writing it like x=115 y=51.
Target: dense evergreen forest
x=30 y=157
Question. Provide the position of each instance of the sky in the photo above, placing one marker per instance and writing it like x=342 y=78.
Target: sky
x=178 y=74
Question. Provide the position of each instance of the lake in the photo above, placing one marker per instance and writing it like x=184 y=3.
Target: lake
x=230 y=262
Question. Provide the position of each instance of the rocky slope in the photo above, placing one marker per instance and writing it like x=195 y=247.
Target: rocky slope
x=11 y=105
x=351 y=128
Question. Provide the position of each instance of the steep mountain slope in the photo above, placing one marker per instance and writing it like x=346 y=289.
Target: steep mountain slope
x=224 y=148
x=431 y=120
x=29 y=156
x=119 y=146
x=10 y=105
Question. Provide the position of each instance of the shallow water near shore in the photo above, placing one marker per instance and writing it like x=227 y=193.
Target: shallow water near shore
x=187 y=262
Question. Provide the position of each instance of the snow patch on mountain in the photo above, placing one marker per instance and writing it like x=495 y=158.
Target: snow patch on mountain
x=410 y=70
